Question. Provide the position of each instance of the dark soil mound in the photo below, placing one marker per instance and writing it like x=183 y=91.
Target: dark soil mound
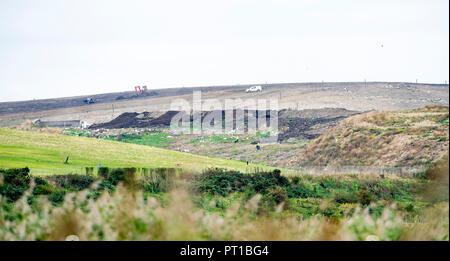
x=137 y=120
x=308 y=124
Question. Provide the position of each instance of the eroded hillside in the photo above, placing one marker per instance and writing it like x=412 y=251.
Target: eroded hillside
x=402 y=138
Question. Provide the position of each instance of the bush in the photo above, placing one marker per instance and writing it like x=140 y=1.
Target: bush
x=89 y=170
x=73 y=181
x=115 y=176
x=151 y=187
x=278 y=194
x=342 y=197
x=43 y=190
x=57 y=197
x=103 y=172
x=264 y=180
x=158 y=182
x=364 y=197
x=221 y=182
x=301 y=190
x=295 y=180
x=40 y=181
x=15 y=183
x=130 y=176
x=439 y=170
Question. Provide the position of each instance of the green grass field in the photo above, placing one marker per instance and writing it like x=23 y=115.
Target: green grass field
x=156 y=139
x=42 y=151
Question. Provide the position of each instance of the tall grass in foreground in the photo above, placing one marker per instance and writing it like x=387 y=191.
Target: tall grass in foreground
x=127 y=215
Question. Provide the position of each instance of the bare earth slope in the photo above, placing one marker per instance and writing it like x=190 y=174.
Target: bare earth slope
x=402 y=138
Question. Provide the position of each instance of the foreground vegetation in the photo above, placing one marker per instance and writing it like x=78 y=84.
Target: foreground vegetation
x=221 y=204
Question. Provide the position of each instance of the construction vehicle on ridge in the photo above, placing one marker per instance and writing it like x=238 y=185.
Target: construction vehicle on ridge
x=139 y=90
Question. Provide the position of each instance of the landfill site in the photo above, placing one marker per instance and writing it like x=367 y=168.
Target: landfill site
x=306 y=112
x=355 y=96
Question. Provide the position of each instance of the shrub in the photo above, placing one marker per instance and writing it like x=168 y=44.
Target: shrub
x=439 y=170
x=115 y=176
x=103 y=172
x=345 y=197
x=43 y=190
x=89 y=170
x=264 y=180
x=73 y=181
x=278 y=194
x=217 y=181
x=295 y=179
x=158 y=182
x=105 y=185
x=15 y=183
x=301 y=190
x=40 y=181
x=151 y=187
x=57 y=197
x=222 y=182
x=130 y=176
x=364 y=197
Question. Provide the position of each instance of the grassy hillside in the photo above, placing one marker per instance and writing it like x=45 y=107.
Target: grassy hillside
x=399 y=138
x=40 y=150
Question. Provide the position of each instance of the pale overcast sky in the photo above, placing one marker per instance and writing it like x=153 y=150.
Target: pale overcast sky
x=64 y=48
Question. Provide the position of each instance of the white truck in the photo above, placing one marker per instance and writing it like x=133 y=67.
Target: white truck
x=257 y=88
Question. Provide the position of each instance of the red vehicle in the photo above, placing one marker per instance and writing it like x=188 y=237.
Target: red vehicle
x=140 y=90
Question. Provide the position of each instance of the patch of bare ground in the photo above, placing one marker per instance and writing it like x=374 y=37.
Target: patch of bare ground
x=270 y=154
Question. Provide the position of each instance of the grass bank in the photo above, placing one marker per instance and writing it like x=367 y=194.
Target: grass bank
x=49 y=151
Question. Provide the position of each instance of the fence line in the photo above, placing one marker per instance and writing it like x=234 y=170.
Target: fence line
x=94 y=170
x=401 y=171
